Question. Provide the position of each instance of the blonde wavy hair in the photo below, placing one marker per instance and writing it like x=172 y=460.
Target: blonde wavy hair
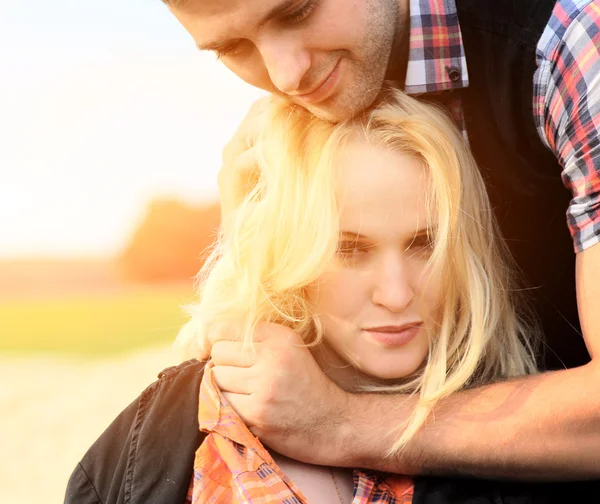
x=286 y=231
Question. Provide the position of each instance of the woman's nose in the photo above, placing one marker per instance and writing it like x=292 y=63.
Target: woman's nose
x=393 y=287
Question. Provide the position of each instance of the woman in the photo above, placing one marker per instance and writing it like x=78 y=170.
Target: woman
x=374 y=241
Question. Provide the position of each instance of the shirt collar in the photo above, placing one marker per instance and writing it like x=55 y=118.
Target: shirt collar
x=217 y=416
x=436 y=60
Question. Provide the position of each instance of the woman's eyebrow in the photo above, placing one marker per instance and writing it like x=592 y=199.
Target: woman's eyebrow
x=417 y=234
x=408 y=240
x=353 y=235
x=422 y=232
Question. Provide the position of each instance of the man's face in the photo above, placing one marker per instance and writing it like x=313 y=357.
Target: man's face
x=330 y=56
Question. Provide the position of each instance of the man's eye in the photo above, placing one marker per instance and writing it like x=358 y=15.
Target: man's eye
x=301 y=14
x=228 y=50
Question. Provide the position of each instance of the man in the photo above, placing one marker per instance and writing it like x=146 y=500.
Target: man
x=523 y=80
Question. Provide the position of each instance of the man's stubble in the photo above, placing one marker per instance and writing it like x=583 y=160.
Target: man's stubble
x=368 y=63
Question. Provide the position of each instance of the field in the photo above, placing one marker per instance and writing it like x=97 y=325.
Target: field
x=92 y=326
x=76 y=346
x=83 y=309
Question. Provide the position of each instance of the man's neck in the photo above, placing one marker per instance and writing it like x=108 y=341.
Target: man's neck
x=397 y=65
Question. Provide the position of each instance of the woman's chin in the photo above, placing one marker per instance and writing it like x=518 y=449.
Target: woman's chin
x=365 y=365
x=389 y=373
x=387 y=377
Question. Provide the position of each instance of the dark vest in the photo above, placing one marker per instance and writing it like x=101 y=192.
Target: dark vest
x=522 y=175
x=523 y=180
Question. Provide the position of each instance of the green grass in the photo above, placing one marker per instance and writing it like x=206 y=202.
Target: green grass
x=95 y=326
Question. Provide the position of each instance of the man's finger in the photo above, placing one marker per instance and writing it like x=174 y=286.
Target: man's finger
x=239 y=172
x=242 y=170
x=266 y=331
x=236 y=380
x=241 y=403
x=245 y=173
x=220 y=331
x=232 y=353
x=236 y=180
x=247 y=131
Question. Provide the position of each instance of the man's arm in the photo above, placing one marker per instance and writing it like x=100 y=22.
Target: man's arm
x=545 y=426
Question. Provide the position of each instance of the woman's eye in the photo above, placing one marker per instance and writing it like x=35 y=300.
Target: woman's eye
x=352 y=250
x=422 y=245
x=301 y=14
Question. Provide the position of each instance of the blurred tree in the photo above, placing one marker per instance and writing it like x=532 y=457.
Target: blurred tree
x=170 y=242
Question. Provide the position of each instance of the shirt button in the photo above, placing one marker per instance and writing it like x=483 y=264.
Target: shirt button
x=453 y=73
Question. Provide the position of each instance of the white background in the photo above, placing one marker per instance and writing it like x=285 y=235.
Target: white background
x=103 y=106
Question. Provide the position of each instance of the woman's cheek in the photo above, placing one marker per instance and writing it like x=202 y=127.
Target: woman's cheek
x=341 y=295
x=430 y=297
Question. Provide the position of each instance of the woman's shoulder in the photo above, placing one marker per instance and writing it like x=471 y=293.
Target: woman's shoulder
x=156 y=434
x=187 y=374
x=177 y=387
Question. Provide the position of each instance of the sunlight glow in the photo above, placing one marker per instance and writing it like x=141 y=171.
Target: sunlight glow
x=103 y=106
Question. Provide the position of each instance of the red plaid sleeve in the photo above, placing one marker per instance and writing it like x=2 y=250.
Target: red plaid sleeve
x=567 y=109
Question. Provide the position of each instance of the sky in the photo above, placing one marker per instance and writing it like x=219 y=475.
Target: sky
x=104 y=105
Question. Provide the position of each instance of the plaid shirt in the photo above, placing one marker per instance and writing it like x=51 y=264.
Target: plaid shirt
x=232 y=466
x=567 y=108
x=436 y=59
x=566 y=99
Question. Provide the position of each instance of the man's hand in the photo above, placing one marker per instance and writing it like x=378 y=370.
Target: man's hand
x=282 y=394
x=239 y=171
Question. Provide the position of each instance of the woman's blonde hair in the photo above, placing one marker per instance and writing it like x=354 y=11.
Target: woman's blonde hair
x=286 y=231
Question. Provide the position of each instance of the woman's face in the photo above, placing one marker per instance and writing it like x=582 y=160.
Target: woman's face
x=376 y=294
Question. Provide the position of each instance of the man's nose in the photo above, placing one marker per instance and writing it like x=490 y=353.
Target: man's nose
x=287 y=61
x=393 y=286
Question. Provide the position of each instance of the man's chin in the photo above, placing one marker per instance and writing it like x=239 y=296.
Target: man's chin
x=326 y=114
x=331 y=113
x=337 y=110
x=327 y=111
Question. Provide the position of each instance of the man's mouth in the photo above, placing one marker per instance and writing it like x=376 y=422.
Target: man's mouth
x=325 y=89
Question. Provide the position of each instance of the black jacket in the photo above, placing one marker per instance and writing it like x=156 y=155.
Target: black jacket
x=146 y=456
x=522 y=176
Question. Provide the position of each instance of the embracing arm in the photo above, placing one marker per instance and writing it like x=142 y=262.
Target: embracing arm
x=545 y=426
x=538 y=427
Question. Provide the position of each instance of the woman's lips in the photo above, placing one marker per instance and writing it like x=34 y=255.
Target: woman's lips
x=325 y=89
x=394 y=336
